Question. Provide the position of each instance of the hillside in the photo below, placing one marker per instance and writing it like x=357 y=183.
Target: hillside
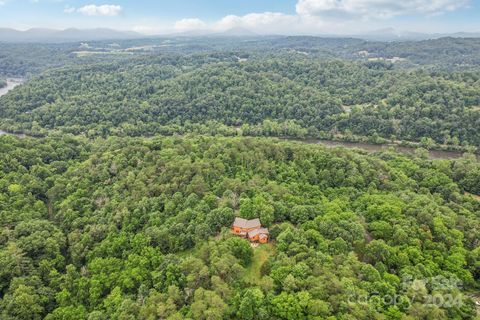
x=26 y=59
x=264 y=95
x=134 y=157
x=97 y=229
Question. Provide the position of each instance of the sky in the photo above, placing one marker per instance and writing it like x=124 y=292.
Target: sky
x=260 y=16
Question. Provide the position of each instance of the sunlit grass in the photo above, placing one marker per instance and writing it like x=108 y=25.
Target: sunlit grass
x=260 y=256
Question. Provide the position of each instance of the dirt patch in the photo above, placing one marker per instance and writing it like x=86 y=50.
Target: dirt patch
x=474 y=196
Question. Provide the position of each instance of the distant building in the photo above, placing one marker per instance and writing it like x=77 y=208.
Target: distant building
x=250 y=229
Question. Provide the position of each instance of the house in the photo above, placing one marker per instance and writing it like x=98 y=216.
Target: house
x=251 y=229
x=260 y=235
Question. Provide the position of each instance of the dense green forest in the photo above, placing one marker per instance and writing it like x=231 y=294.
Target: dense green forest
x=27 y=59
x=136 y=228
x=263 y=95
x=276 y=86
x=23 y=59
x=3 y=83
x=140 y=154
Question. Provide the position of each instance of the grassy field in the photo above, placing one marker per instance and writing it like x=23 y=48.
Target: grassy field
x=260 y=255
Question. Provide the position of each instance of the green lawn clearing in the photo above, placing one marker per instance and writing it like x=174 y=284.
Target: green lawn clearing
x=260 y=255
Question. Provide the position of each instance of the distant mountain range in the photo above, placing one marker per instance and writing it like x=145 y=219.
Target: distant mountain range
x=390 y=34
x=77 y=35
x=67 y=35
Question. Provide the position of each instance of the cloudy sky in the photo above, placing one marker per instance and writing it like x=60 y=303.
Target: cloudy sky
x=260 y=16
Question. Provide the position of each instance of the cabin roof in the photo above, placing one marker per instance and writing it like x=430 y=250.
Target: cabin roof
x=247 y=224
x=261 y=231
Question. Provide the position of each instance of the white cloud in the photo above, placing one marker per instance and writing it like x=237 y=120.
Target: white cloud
x=267 y=22
x=189 y=25
x=348 y=9
x=327 y=16
x=260 y=23
x=101 y=10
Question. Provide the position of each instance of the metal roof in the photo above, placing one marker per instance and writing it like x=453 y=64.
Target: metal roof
x=256 y=232
x=247 y=224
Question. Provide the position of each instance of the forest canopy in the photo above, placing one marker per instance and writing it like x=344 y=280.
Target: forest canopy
x=170 y=93
x=139 y=154
x=27 y=59
x=135 y=228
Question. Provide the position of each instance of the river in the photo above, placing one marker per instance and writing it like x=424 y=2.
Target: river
x=370 y=147
x=11 y=84
x=19 y=135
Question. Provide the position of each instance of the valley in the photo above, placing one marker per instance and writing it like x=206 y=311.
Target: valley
x=239 y=177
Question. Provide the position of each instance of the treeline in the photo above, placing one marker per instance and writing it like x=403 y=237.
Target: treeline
x=157 y=94
x=20 y=60
x=444 y=53
x=26 y=59
x=136 y=228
